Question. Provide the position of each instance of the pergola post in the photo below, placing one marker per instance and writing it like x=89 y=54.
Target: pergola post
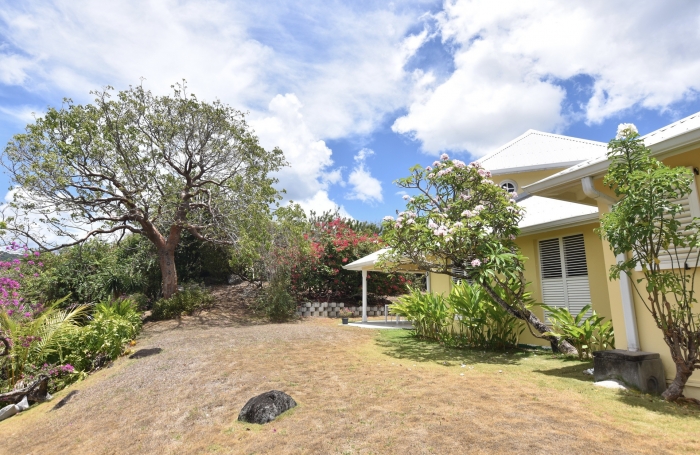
x=364 y=296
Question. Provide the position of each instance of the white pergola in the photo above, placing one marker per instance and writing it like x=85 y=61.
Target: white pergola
x=368 y=264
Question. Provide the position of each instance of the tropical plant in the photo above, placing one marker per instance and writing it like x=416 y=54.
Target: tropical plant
x=428 y=312
x=586 y=331
x=190 y=299
x=645 y=227
x=155 y=166
x=457 y=217
x=103 y=338
x=33 y=339
x=481 y=321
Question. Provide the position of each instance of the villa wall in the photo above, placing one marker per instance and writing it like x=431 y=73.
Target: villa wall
x=597 y=275
x=650 y=338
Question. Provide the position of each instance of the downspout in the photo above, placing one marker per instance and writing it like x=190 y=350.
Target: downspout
x=628 y=312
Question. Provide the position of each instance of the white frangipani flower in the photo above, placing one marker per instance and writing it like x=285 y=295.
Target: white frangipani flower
x=625 y=130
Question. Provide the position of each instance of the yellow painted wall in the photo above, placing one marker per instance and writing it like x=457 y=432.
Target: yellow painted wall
x=594 y=259
x=440 y=283
x=525 y=178
x=650 y=338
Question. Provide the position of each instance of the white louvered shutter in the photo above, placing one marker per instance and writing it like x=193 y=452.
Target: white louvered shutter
x=565 y=273
x=553 y=287
x=461 y=275
x=578 y=291
x=691 y=209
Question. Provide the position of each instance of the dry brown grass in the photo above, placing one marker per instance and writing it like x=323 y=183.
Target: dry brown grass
x=359 y=391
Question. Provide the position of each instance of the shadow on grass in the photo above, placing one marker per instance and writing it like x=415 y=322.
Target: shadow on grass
x=570 y=372
x=402 y=344
x=657 y=404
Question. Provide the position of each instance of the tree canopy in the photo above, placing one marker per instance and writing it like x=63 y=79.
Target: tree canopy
x=459 y=218
x=140 y=163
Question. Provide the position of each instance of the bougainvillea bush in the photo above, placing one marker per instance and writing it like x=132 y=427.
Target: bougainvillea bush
x=336 y=242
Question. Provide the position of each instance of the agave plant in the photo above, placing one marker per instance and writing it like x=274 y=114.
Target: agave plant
x=32 y=339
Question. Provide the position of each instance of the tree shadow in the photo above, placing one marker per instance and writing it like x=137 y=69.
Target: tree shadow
x=570 y=372
x=654 y=403
x=406 y=346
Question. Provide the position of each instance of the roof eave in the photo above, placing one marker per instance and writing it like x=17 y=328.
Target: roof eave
x=668 y=147
x=558 y=224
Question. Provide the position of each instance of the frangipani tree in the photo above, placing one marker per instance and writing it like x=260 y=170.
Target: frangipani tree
x=645 y=226
x=460 y=218
x=138 y=163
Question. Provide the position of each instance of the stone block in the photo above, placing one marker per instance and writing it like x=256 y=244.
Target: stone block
x=641 y=370
x=341 y=305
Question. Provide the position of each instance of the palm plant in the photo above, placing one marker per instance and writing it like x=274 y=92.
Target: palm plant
x=33 y=339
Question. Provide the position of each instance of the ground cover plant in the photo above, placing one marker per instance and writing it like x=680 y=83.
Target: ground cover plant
x=359 y=391
x=645 y=227
x=457 y=218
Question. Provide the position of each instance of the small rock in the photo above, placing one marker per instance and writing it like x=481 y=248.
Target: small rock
x=588 y=371
x=8 y=411
x=610 y=384
x=266 y=407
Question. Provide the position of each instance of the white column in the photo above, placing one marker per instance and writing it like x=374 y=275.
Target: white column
x=628 y=312
x=427 y=282
x=364 y=296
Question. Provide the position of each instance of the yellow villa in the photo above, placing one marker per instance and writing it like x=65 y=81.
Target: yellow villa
x=559 y=182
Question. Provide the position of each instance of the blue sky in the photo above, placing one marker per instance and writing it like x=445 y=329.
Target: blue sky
x=357 y=92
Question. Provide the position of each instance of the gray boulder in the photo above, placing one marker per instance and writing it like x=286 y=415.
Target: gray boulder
x=266 y=407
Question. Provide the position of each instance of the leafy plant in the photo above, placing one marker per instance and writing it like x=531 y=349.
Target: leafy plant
x=343 y=313
x=275 y=301
x=190 y=299
x=586 y=333
x=34 y=339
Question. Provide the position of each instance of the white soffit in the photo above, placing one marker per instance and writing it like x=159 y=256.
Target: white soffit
x=537 y=150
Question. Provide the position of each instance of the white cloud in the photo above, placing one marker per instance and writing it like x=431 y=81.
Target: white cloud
x=508 y=59
x=21 y=115
x=320 y=202
x=364 y=187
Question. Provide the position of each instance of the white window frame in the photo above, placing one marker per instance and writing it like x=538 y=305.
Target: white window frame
x=512 y=182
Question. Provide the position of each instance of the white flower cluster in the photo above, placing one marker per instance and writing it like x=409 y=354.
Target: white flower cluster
x=476 y=263
x=388 y=218
x=625 y=130
x=444 y=157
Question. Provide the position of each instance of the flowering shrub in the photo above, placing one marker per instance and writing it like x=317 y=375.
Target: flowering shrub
x=334 y=243
x=460 y=218
x=59 y=375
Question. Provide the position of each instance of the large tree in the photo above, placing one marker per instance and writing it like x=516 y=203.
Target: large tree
x=458 y=218
x=648 y=225
x=135 y=162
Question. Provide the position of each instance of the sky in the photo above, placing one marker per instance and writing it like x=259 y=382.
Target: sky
x=357 y=92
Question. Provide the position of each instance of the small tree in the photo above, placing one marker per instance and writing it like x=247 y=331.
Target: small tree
x=644 y=225
x=151 y=165
x=461 y=218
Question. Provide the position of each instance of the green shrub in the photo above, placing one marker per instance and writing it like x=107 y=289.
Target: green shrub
x=113 y=325
x=190 y=299
x=467 y=317
x=587 y=334
x=275 y=301
x=481 y=321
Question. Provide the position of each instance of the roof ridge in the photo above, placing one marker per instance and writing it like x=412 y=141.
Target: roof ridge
x=540 y=133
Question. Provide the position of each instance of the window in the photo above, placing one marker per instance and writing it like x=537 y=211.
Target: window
x=564 y=273
x=691 y=209
x=509 y=185
x=461 y=275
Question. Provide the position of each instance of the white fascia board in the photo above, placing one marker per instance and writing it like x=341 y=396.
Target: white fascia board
x=536 y=167
x=558 y=224
x=668 y=147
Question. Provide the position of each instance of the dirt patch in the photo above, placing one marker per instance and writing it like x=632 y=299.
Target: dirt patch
x=358 y=391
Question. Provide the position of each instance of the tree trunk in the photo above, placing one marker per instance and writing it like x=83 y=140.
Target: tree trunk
x=675 y=390
x=166 y=257
x=558 y=344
